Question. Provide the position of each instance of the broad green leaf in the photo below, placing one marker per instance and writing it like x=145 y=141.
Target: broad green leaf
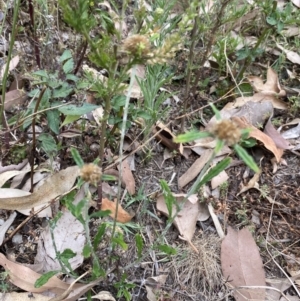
x=53 y=120
x=72 y=77
x=78 y=110
x=86 y=252
x=48 y=144
x=191 y=136
x=76 y=157
x=67 y=254
x=66 y=55
x=44 y=278
x=139 y=244
x=68 y=66
x=246 y=157
x=70 y=119
x=42 y=73
x=167 y=249
x=62 y=92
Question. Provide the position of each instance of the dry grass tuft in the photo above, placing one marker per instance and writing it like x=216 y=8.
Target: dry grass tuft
x=199 y=275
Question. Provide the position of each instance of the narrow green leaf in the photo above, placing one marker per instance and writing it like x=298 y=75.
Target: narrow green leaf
x=44 y=278
x=191 y=136
x=76 y=157
x=99 y=235
x=139 y=244
x=214 y=171
x=77 y=110
x=216 y=111
x=246 y=157
x=108 y=178
x=219 y=146
x=119 y=240
x=168 y=196
x=101 y=213
x=167 y=249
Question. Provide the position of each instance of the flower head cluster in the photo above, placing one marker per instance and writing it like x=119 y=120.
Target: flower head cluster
x=227 y=131
x=137 y=45
x=91 y=173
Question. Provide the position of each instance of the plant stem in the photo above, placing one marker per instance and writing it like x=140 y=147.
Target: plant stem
x=189 y=72
x=123 y=131
x=10 y=49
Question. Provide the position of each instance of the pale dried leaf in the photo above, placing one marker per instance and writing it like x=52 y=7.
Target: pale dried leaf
x=53 y=187
x=282 y=284
x=12 y=296
x=195 y=169
x=279 y=141
x=14 y=99
x=186 y=219
x=9 y=174
x=292 y=133
x=242 y=264
x=5 y=226
x=259 y=135
x=103 y=296
x=127 y=177
x=12 y=65
x=68 y=234
x=216 y=221
x=291 y=31
x=25 y=278
x=218 y=180
x=204 y=212
x=292 y=56
x=123 y=216
x=253 y=183
x=98 y=115
x=70 y=133
x=296 y=3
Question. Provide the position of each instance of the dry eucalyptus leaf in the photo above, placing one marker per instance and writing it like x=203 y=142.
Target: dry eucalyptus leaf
x=14 y=99
x=260 y=136
x=25 y=278
x=68 y=234
x=242 y=264
x=279 y=141
x=5 y=226
x=5 y=176
x=195 y=169
x=53 y=187
x=127 y=177
x=123 y=216
x=104 y=296
x=12 y=65
x=218 y=180
x=187 y=217
x=253 y=183
x=292 y=56
x=12 y=296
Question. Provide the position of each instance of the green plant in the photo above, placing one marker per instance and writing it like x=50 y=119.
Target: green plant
x=124 y=287
x=224 y=190
x=294 y=105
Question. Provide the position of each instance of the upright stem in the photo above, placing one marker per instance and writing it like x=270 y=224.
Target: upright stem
x=11 y=45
